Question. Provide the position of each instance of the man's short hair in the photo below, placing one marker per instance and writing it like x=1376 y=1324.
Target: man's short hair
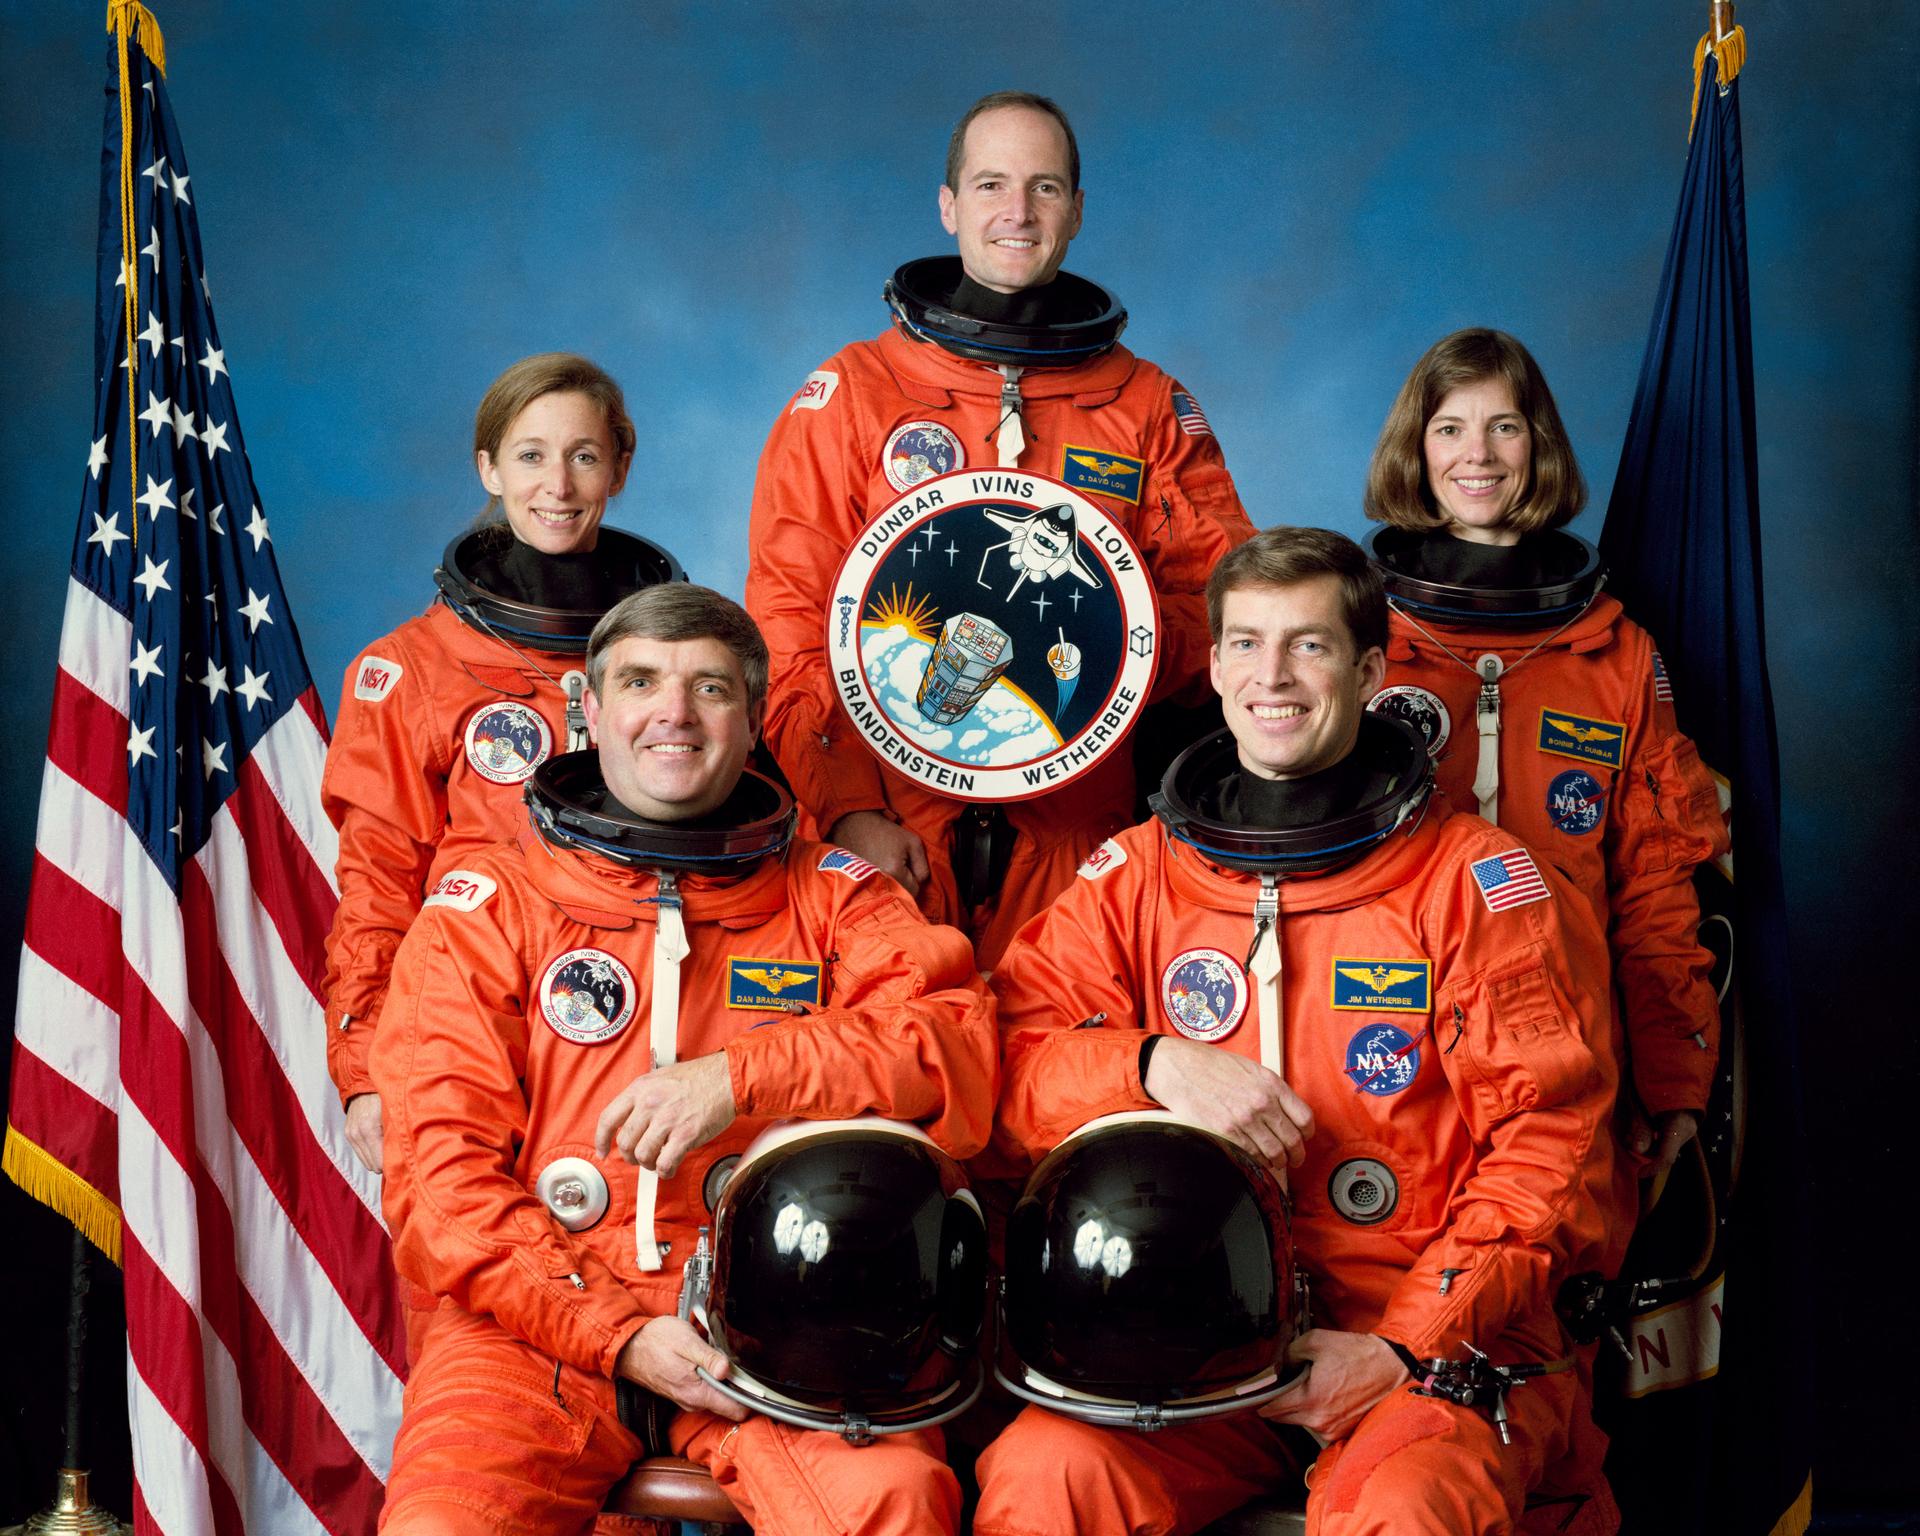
x=1397 y=489
x=992 y=102
x=1284 y=557
x=677 y=610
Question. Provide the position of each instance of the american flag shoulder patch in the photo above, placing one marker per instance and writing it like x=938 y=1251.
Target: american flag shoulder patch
x=838 y=861
x=1509 y=879
x=1662 y=684
x=1192 y=420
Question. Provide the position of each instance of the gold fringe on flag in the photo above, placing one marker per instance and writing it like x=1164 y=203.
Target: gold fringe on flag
x=1731 y=54
x=129 y=19
x=52 y=1183
x=1796 y=1520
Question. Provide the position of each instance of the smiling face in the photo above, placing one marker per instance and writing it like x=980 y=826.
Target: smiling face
x=1479 y=455
x=673 y=725
x=1015 y=209
x=556 y=469
x=1291 y=680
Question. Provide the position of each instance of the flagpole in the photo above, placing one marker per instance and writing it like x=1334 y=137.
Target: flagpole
x=73 y=1512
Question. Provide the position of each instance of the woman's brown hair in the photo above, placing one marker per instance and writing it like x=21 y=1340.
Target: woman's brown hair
x=1397 y=490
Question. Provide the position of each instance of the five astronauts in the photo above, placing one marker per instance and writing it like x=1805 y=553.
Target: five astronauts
x=627 y=885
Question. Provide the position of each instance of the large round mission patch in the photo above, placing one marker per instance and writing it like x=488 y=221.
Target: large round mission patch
x=992 y=634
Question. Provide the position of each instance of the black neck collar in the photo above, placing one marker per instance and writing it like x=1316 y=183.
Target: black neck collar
x=1296 y=827
x=1545 y=580
x=509 y=590
x=1056 y=325
x=571 y=807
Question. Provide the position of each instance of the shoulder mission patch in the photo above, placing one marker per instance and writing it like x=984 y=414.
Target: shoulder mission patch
x=374 y=677
x=461 y=889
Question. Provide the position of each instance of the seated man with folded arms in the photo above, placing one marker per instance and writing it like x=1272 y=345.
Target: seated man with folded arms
x=569 y=1048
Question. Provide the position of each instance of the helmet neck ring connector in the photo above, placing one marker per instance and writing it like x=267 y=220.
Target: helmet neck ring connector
x=918 y=292
x=570 y=806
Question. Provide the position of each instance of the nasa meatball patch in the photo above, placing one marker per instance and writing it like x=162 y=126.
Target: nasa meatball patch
x=1204 y=992
x=587 y=996
x=1576 y=802
x=1101 y=470
x=374 y=677
x=1420 y=708
x=919 y=451
x=506 y=742
x=461 y=889
x=1382 y=1060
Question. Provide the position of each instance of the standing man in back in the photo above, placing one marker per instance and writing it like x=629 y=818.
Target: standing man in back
x=996 y=359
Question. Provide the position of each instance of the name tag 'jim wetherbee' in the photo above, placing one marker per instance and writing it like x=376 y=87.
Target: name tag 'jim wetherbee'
x=992 y=634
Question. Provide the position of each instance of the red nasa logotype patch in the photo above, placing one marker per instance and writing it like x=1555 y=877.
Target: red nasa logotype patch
x=374 y=677
x=816 y=392
x=587 y=996
x=1109 y=855
x=461 y=889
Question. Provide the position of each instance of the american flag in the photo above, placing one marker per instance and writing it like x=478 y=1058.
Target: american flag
x=170 y=1092
x=1193 y=421
x=1509 y=880
x=1662 y=684
x=838 y=861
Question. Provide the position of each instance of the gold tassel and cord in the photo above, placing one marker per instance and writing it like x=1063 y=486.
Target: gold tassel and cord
x=1730 y=52
x=48 y=1180
x=128 y=19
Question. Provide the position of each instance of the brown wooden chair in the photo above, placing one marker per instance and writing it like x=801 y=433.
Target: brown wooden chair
x=673 y=1488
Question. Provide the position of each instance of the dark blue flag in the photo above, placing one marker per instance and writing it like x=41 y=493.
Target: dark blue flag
x=1712 y=1425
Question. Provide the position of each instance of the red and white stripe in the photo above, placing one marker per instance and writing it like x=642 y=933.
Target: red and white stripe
x=170 y=1051
x=1193 y=421
x=1509 y=880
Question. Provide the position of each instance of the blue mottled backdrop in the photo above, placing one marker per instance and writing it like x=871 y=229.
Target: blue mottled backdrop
x=1294 y=200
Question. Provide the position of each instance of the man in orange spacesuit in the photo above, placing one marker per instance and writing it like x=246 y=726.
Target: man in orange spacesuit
x=1398 y=1010
x=997 y=359
x=582 y=1023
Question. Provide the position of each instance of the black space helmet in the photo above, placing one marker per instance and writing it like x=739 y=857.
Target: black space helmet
x=1149 y=1276
x=846 y=1281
